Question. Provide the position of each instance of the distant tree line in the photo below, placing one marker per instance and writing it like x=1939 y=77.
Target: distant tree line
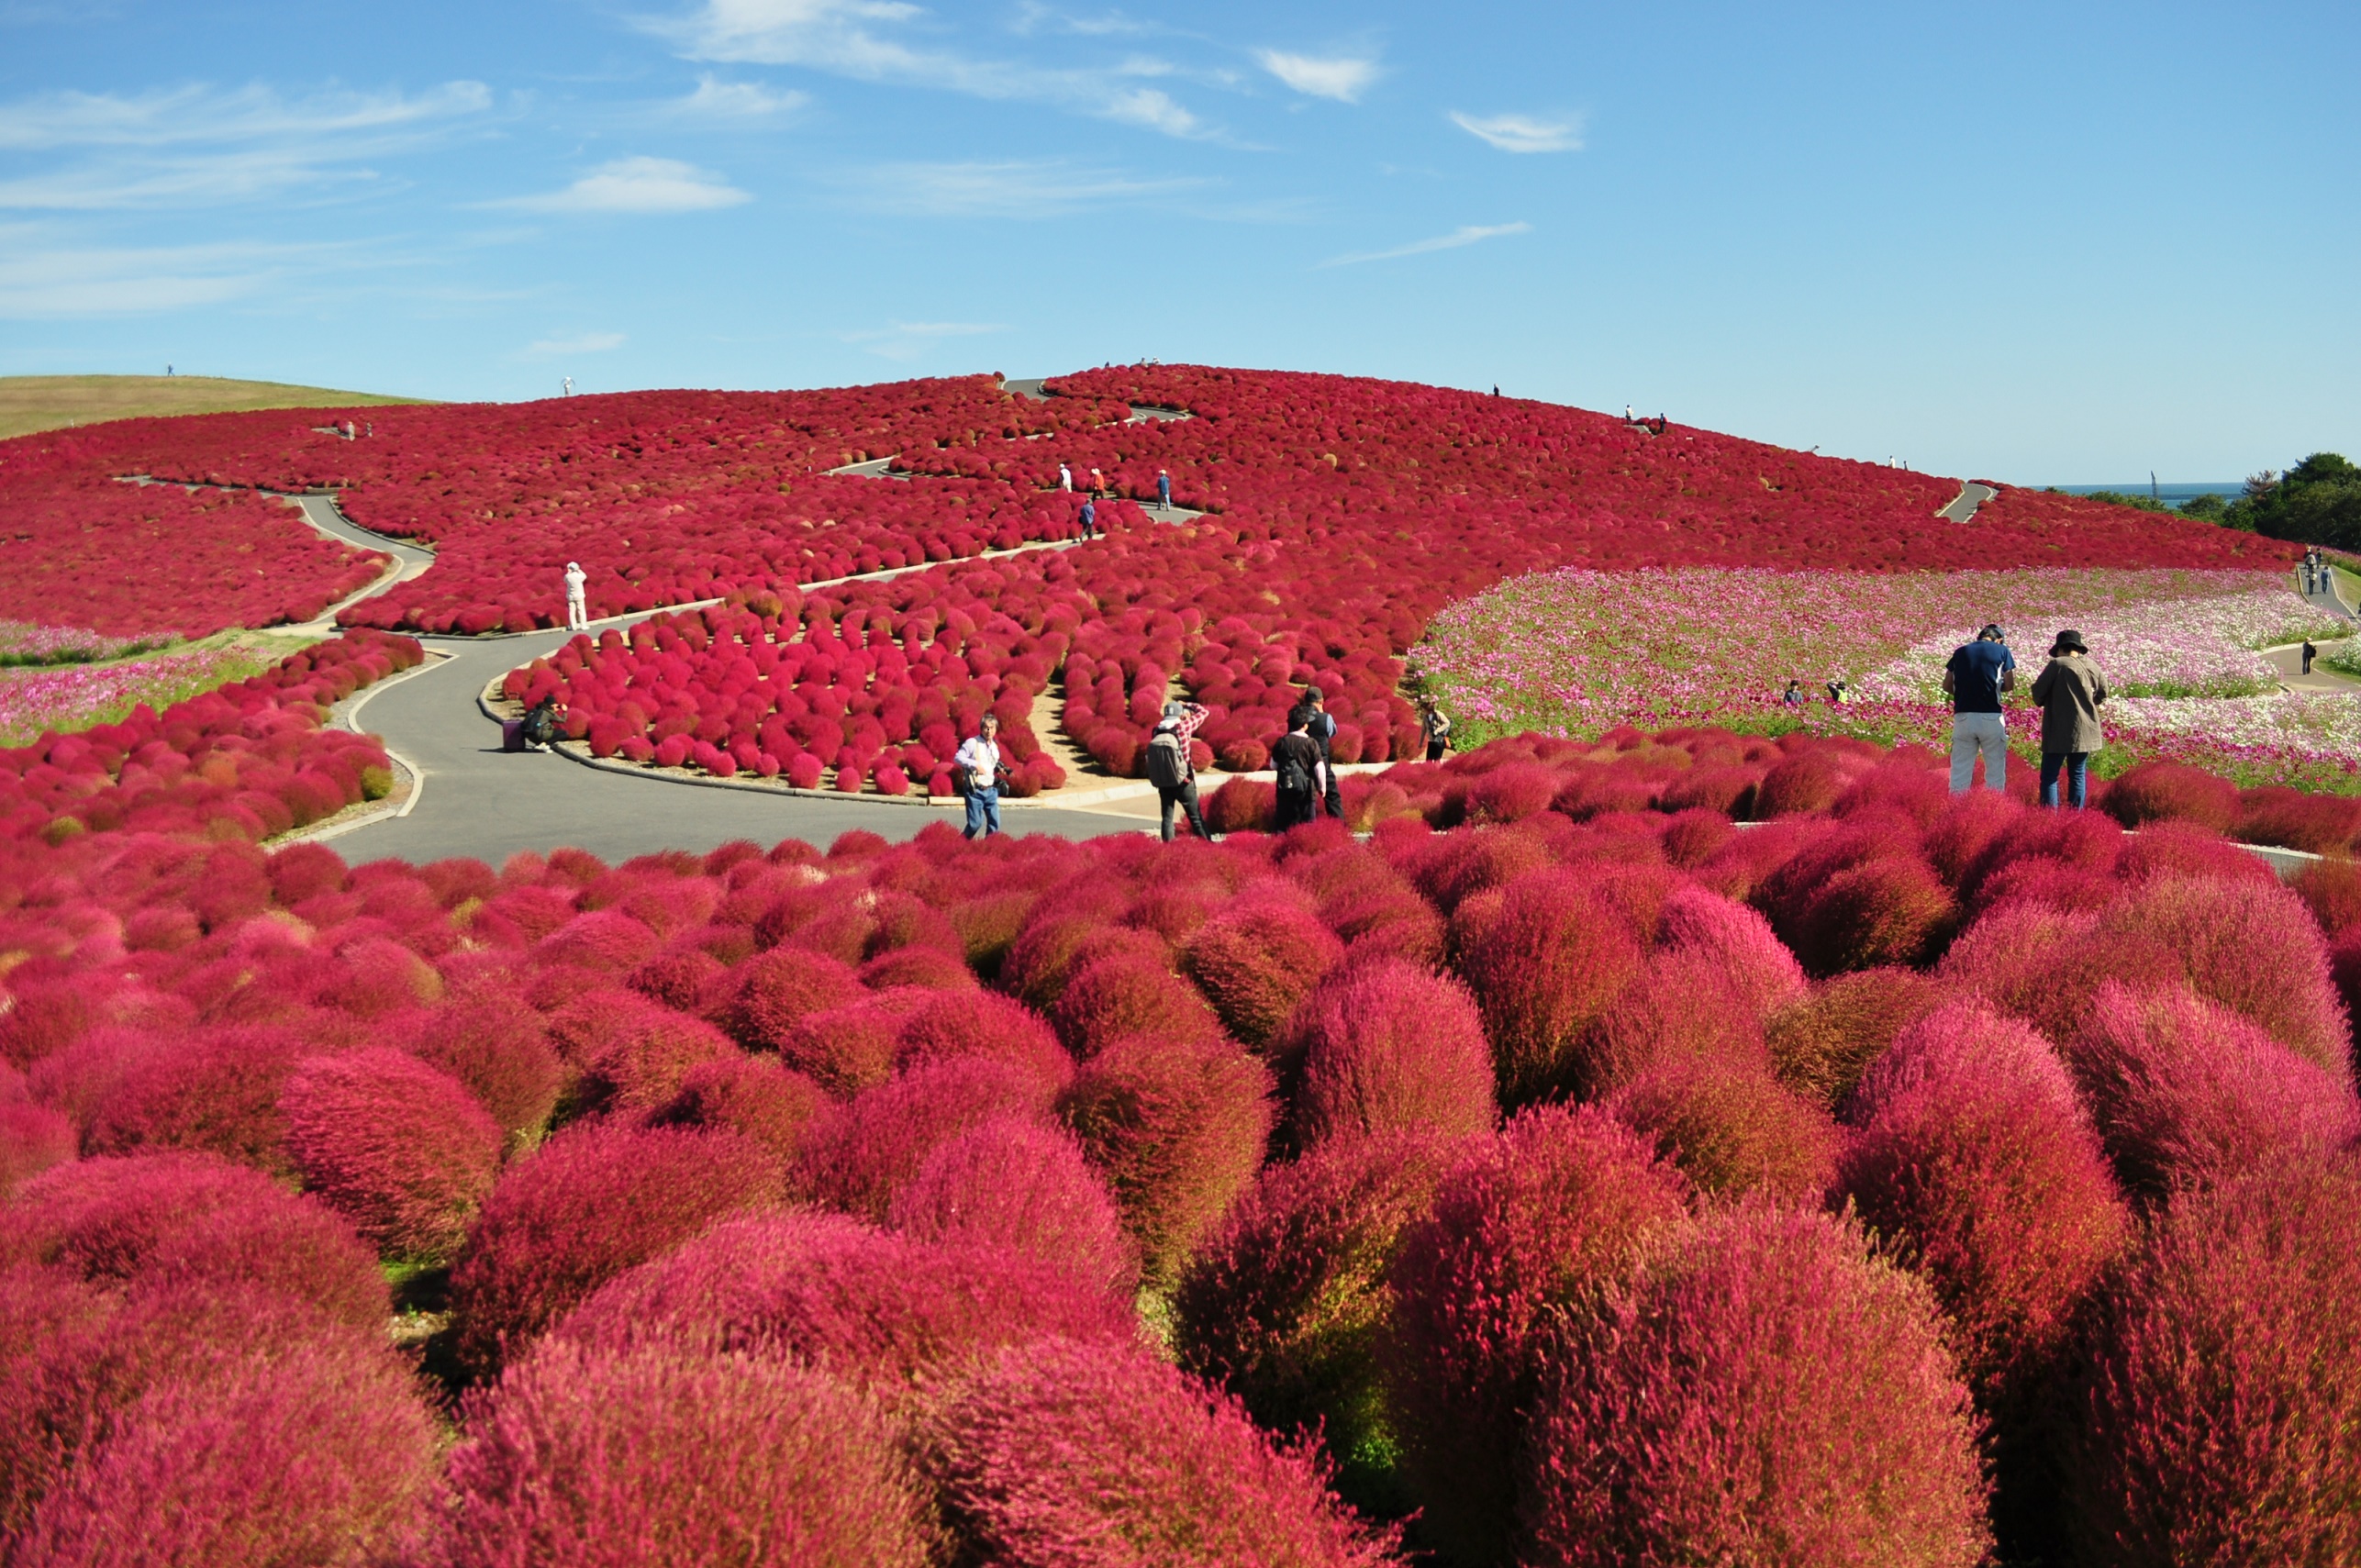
x=2316 y=502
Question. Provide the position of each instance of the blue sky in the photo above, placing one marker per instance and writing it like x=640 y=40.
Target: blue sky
x=2041 y=242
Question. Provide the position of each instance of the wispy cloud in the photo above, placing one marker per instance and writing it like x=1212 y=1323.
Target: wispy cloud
x=1522 y=133
x=580 y=343
x=905 y=340
x=859 y=39
x=182 y=116
x=1469 y=235
x=1341 y=77
x=741 y=102
x=1040 y=189
x=1032 y=16
x=42 y=278
x=636 y=186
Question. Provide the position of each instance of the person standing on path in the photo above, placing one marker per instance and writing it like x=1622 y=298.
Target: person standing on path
x=1089 y=518
x=1320 y=725
x=2310 y=653
x=1098 y=483
x=2069 y=690
x=1171 y=770
x=577 y=611
x=1294 y=763
x=1163 y=489
x=980 y=755
x=1976 y=676
x=1436 y=727
x=1065 y=479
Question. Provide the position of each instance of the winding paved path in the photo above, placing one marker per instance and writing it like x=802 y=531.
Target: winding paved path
x=1962 y=506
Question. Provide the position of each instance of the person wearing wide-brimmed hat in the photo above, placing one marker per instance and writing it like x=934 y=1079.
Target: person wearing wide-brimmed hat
x=2069 y=690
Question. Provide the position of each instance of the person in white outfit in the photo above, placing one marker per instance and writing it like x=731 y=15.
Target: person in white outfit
x=1065 y=479
x=578 y=612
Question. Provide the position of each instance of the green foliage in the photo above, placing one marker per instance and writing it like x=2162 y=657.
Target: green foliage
x=2316 y=502
x=2205 y=508
x=2137 y=503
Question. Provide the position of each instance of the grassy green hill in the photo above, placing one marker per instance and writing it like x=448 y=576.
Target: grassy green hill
x=29 y=402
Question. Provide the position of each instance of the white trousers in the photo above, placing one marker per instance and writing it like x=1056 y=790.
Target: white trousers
x=1972 y=733
x=578 y=614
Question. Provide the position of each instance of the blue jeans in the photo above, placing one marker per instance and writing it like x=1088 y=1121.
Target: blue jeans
x=2078 y=776
x=982 y=812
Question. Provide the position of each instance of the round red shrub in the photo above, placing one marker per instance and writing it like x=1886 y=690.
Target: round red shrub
x=592 y=1202
x=1285 y=1304
x=1820 y=1043
x=32 y=1139
x=493 y=1043
x=984 y=1023
x=1384 y=1045
x=1799 y=783
x=681 y=978
x=1763 y=1392
x=1543 y=967
x=1530 y=1226
x=2187 y=1094
x=1736 y=940
x=601 y=939
x=891 y=1317
x=754 y=1096
x=1681 y=1009
x=1178 y=1126
x=2171 y=792
x=401 y=1149
x=2215 y=928
x=2296 y=820
x=2333 y=888
x=1732 y=1128
x=294 y=1248
x=1019 y=1185
x=862 y=1152
x=1243 y=804
x=1885 y=911
x=776 y=989
x=2223 y=1415
x=630 y=1053
x=923 y=968
x=215 y=1090
x=103 y=1218
x=1127 y=993
x=1066 y=1453
x=1256 y=961
x=664 y=1455
x=1053 y=948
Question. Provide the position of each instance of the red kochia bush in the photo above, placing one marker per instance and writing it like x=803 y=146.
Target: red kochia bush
x=498 y=1047
x=1286 y=1303
x=1100 y=1454
x=1820 y=1043
x=1535 y=1223
x=593 y=1202
x=862 y=1152
x=849 y=1048
x=1885 y=911
x=397 y=1147
x=2187 y=1094
x=776 y=989
x=1732 y=1128
x=2216 y=929
x=1256 y=961
x=662 y=1455
x=1763 y=1392
x=1735 y=940
x=1543 y=967
x=752 y=1096
x=2171 y=792
x=1128 y=994
x=985 y=1024
x=1179 y=1128
x=246 y=1441
x=631 y=1053
x=2223 y=1412
x=215 y=1090
x=32 y=1139
x=1024 y=1186
x=1681 y=1009
x=1384 y=1045
x=881 y=1313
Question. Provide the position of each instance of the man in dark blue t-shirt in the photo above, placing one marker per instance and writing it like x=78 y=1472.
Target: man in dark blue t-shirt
x=1976 y=676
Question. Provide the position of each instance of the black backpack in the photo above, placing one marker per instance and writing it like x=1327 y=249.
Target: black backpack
x=1292 y=776
x=540 y=724
x=1167 y=764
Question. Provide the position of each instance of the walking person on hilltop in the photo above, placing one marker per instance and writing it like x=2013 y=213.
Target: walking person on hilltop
x=577 y=610
x=1976 y=676
x=1320 y=725
x=2310 y=653
x=1098 y=483
x=1065 y=479
x=1171 y=770
x=979 y=756
x=1163 y=489
x=2069 y=690
x=1296 y=767
x=1436 y=727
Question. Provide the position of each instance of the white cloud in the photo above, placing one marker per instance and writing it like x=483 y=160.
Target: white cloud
x=236 y=175
x=200 y=113
x=580 y=343
x=1341 y=78
x=742 y=101
x=855 y=38
x=909 y=340
x=1522 y=133
x=1469 y=235
x=637 y=185
x=1015 y=189
x=41 y=278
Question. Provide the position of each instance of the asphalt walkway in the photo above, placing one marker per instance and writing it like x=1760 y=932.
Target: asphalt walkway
x=1962 y=506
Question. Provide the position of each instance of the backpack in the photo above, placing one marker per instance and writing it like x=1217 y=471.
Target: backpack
x=1292 y=776
x=539 y=726
x=1167 y=764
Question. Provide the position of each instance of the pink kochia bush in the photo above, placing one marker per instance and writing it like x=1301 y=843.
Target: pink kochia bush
x=1761 y=1392
x=1545 y=963
x=668 y=1454
x=2223 y=1410
x=401 y=1149
x=1535 y=1224
x=1385 y=1046
x=1098 y=1453
x=1025 y=1187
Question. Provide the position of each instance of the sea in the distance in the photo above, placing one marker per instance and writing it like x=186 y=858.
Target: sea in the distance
x=2171 y=494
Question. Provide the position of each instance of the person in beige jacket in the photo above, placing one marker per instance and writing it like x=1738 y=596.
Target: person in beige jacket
x=2068 y=692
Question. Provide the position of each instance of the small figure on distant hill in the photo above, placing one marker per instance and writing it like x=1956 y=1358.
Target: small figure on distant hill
x=2069 y=690
x=1065 y=479
x=1171 y=769
x=979 y=754
x=1436 y=727
x=2310 y=653
x=1320 y=725
x=1628 y=417
x=1089 y=518
x=1977 y=673
x=1163 y=489
x=577 y=609
x=1295 y=761
x=569 y=386
x=540 y=724
x=1793 y=697
x=1496 y=389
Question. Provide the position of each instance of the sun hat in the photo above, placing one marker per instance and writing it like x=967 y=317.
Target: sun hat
x=2072 y=638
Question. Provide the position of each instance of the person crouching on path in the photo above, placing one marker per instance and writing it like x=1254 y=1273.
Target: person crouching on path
x=1171 y=769
x=2069 y=690
x=1295 y=761
x=577 y=613
x=980 y=755
x=1976 y=676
